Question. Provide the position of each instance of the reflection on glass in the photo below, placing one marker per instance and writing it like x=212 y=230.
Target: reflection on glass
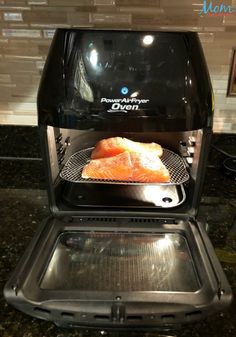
x=148 y=40
x=80 y=83
x=93 y=57
x=124 y=262
x=134 y=94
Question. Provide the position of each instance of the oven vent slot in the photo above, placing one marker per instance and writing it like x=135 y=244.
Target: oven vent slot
x=67 y=315
x=72 y=170
x=168 y=318
x=131 y=220
x=134 y=318
x=102 y=317
x=193 y=314
x=101 y=219
x=143 y=220
x=42 y=311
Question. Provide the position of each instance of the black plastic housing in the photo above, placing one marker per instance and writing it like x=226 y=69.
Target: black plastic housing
x=125 y=81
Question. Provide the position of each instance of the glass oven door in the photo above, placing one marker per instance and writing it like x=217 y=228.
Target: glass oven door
x=119 y=273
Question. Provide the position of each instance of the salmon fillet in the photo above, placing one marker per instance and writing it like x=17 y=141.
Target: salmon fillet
x=113 y=146
x=126 y=166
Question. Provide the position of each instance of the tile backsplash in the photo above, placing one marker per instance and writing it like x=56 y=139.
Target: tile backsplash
x=27 y=27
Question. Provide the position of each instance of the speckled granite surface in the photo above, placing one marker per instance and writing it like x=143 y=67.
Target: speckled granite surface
x=23 y=205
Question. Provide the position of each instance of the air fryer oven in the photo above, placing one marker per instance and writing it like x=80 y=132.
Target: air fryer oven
x=118 y=254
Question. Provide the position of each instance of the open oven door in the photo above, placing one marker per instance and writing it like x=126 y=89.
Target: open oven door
x=119 y=273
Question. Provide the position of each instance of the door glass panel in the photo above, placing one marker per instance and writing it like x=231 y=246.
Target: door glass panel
x=120 y=262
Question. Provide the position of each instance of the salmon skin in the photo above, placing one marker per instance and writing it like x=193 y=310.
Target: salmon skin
x=126 y=166
x=113 y=146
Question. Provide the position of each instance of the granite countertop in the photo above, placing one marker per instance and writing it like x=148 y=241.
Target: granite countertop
x=23 y=203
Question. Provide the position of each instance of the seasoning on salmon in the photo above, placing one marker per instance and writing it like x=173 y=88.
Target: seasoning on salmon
x=113 y=146
x=126 y=166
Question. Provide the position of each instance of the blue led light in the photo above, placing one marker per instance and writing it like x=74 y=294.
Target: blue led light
x=124 y=90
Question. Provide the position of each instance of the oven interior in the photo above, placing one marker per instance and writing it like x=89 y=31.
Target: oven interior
x=69 y=150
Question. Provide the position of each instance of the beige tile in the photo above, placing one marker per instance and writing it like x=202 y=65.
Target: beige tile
x=49 y=25
x=24 y=79
x=165 y=20
x=180 y=3
x=29 y=108
x=180 y=10
x=221 y=126
x=206 y=37
x=5 y=90
x=221 y=91
x=5 y=78
x=227 y=113
x=229 y=20
x=23 y=57
x=210 y=21
x=24 y=90
x=214 y=29
x=29 y=51
x=104 y=2
x=230 y=29
x=216 y=56
x=40 y=64
x=8 y=7
x=70 y=2
x=110 y=18
x=15 y=25
x=41 y=16
x=15 y=2
x=9 y=67
x=37 y=2
x=105 y=9
x=5 y=108
x=77 y=18
x=171 y=28
x=218 y=69
x=18 y=43
x=35 y=79
x=3 y=41
x=12 y=16
x=130 y=3
x=48 y=33
x=142 y=10
x=220 y=99
x=27 y=33
x=18 y=120
x=43 y=50
x=231 y=101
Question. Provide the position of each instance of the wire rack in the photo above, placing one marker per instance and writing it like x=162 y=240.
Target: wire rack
x=72 y=170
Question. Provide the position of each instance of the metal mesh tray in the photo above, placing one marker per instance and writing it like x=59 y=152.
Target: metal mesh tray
x=72 y=170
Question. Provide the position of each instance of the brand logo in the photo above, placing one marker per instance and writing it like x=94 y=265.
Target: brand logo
x=210 y=9
x=124 y=104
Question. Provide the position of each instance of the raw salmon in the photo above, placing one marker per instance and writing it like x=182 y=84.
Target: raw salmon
x=113 y=168
x=113 y=146
x=126 y=166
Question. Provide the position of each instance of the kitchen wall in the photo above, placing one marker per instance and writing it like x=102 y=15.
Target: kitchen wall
x=28 y=26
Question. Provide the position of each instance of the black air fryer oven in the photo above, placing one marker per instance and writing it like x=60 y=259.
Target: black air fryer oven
x=115 y=254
